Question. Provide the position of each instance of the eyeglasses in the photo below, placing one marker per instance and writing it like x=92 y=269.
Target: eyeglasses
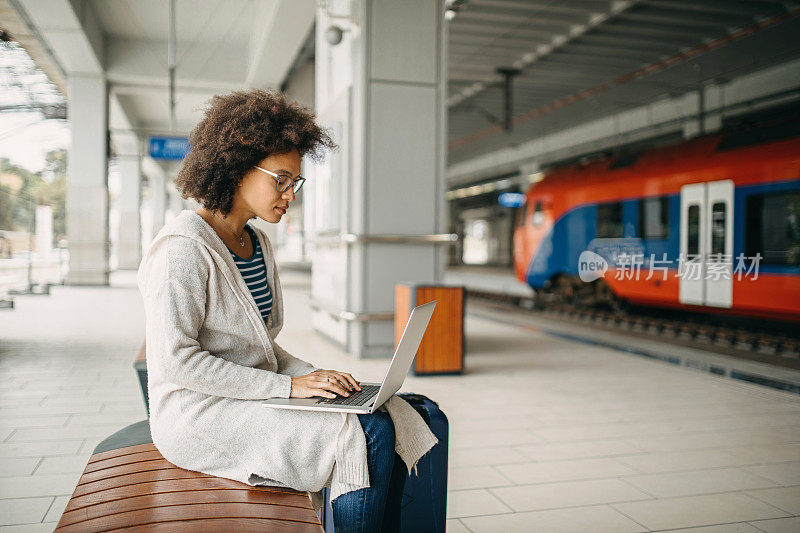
x=283 y=183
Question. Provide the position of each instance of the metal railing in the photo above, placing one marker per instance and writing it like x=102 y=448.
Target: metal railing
x=30 y=262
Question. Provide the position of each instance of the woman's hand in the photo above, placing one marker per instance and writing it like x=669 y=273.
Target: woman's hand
x=325 y=383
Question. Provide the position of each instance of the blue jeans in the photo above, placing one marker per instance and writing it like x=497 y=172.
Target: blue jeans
x=377 y=507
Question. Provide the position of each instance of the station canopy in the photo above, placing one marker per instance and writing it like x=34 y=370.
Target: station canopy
x=219 y=46
x=544 y=65
x=579 y=60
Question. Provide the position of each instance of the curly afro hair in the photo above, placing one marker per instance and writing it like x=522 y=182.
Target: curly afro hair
x=238 y=131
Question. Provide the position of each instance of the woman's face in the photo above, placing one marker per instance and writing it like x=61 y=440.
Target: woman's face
x=258 y=190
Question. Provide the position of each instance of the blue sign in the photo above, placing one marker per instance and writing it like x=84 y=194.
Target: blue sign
x=511 y=199
x=169 y=147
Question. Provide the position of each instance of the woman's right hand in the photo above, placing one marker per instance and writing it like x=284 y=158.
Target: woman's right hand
x=325 y=383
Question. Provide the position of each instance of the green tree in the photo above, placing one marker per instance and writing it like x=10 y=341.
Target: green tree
x=15 y=206
x=15 y=212
x=6 y=207
x=54 y=191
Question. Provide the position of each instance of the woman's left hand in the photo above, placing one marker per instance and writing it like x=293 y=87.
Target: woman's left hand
x=325 y=383
x=346 y=380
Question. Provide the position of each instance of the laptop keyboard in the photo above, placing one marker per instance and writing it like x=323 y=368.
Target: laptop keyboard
x=361 y=397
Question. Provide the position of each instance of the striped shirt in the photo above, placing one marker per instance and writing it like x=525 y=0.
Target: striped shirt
x=254 y=273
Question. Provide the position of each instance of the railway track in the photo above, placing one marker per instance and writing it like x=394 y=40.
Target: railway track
x=762 y=341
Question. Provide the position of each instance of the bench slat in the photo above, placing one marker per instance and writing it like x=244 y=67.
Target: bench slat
x=174 y=477
x=224 y=525
x=294 y=499
x=171 y=481
x=199 y=511
x=129 y=468
x=88 y=517
x=119 y=452
x=123 y=459
x=105 y=506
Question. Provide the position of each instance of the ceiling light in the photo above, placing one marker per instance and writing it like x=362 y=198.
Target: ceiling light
x=535 y=177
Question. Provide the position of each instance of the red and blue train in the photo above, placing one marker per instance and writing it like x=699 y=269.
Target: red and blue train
x=709 y=224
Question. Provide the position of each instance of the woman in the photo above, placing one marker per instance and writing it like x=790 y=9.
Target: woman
x=214 y=306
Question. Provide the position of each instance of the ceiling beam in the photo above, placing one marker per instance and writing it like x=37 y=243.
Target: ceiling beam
x=28 y=38
x=579 y=6
x=144 y=62
x=159 y=88
x=71 y=32
x=283 y=32
x=541 y=51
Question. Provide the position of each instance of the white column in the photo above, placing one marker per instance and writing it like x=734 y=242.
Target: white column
x=382 y=91
x=130 y=233
x=157 y=194
x=158 y=202
x=175 y=202
x=87 y=181
x=44 y=232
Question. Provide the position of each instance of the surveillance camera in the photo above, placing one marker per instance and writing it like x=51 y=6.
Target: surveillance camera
x=334 y=35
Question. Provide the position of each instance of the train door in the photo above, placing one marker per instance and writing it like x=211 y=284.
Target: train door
x=706 y=244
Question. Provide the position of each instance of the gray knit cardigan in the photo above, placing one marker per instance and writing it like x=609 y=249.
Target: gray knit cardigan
x=211 y=358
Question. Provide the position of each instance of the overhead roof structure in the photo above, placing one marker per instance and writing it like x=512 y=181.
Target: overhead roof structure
x=577 y=60
x=221 y=45
x=25 y=87
x=583 y=59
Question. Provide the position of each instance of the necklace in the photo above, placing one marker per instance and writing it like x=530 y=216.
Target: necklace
x=241 y=237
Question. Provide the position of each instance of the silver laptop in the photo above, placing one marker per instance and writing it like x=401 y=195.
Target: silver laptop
x=372 y=395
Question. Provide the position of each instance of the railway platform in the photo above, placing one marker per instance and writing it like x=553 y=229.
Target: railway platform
x=498 y=280
x=546 y=433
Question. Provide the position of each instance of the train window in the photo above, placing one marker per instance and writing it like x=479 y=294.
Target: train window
x=609 y=220
x=625 y=160
x=522 y=211
x=773 y=228
x=538 y=215
x=772 y=131
x=718 y=228
x=693 y=232
x=654 y=218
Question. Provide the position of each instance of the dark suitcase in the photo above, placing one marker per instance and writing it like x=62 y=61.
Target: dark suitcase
x=424 y=503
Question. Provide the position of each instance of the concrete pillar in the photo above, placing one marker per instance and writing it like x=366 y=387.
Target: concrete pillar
x=87 y=181
x=708 y=100
x=157 y=194
x=158 y=202
x=130 y=233
x=382 y=91
x=175 y=203
x=44 y=232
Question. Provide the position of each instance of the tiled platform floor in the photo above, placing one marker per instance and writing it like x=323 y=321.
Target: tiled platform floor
x=546 y=434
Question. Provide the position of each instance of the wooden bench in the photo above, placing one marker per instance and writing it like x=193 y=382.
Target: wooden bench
x=128 y=484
